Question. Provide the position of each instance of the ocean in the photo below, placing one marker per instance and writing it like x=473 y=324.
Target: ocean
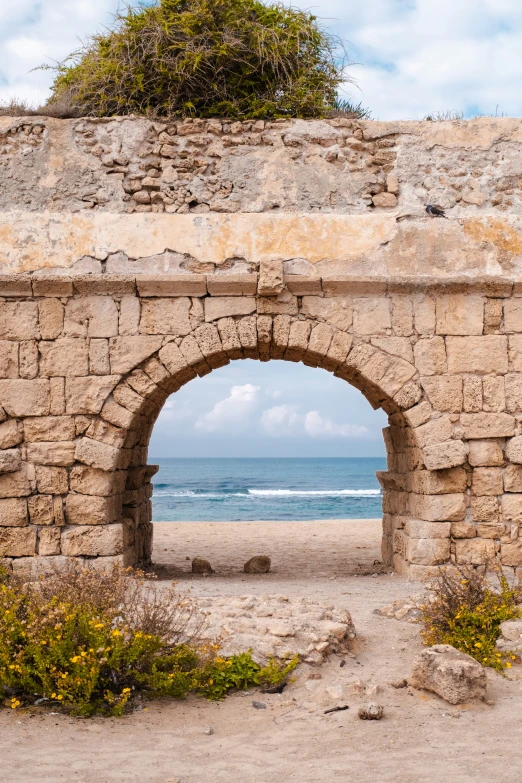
x=230 y=490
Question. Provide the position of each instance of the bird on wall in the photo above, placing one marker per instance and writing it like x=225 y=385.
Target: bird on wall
x=435 y=211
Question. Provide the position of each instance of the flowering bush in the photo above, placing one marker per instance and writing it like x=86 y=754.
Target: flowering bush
x=466 y=612
x=93 y=651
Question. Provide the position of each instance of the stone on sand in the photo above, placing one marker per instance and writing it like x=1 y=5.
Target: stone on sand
x=260 y=564
x=201 y=566
x=454 y=676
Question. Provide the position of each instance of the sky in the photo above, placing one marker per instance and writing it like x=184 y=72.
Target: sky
x=411 y=58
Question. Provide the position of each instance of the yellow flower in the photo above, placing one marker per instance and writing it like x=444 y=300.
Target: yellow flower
x=14 y=704
x=508 y=665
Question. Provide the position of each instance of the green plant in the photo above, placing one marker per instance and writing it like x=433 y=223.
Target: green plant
x=91 y=642
x=466 y=612
x=205 y=58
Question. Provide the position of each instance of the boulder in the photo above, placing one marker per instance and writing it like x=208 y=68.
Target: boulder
x=260 y=564
x=510 y=636
x=201 y=566
x=371 y=711
x=454 y=676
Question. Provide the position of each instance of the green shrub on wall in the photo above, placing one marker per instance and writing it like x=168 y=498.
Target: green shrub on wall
x=205 y=58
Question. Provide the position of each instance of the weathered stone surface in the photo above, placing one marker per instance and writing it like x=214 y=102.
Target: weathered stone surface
x=487 y=425
x=51 y=480
x=371 y=316
x=430 y=356
x=337 y=310
x=13 y=512
x=93 y=540
x=226 y=306
x=25 y=398
x=10 y=460
x=432 y=508
x=428 y=551
x=447 y=454
x=87 y=395
x=15 y=485
x=270 y=277
x=127 y=352
x=454 y=676
x=484 y=453
x=474 y=551
x=52 y=453
x=514 y=450
x=165 y=316
x=67 y=356
x=48 y=428
x=18 y=320
x=96 y=454
x=92 y=510
x=460 y=314
x=444 y=392
x=49 y=541
x=91 y=481
x=487 y=481
x=259 y=564
x=477 y=354
x=17 y=541
x=91 y=316
x=41 y=510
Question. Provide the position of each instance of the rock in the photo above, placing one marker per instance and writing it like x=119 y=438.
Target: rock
x=510 y=636
x=259 y=705
x=371 y=711
x=454 y=676
x=201 y=566
x=260 y=564
x=208 y=730
x=399 y=683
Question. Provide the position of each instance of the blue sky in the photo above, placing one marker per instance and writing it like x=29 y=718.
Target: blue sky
x=412 y=57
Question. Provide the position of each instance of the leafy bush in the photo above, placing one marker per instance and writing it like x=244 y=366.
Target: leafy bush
x=205 y=58
x=466 y=612
x=91 y=642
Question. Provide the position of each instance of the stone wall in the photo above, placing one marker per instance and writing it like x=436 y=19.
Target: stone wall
x=303 y=241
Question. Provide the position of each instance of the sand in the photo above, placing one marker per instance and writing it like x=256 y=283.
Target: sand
x=420 y=740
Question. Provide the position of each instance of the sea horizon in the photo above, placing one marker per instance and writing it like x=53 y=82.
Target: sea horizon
x=235 y=489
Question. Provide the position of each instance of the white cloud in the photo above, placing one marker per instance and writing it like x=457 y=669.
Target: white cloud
x=234 y=410
x=275 y=393
x=281 y=421
x=285 y=420
x=318 y=426
x=175 y=410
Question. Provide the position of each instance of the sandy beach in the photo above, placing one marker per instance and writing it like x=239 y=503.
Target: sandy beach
x=420 y=740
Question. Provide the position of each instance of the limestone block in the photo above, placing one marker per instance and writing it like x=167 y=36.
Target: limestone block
x=371 y=315
x=97 y=455
x=513 y=315
x=485 y=453
x=487 y=425
x=473 y=551
x=463 y=529
x=454 y=676
x=408 y=396
x=402 y=317
x=229 y=338
x=59 y=513
x=243 y=284
x=49 y=541
x=207 y=337
x=190 y=350
x=283 y=303
x=487 y=354
x=384 y=200
x=17 y=541
x=226 y=306
x=513 y=478
x=461 y=314
x=173 y=285
x=50 y=320
x=444 y=392
x=127 y=352
x=11 y=434
x=484 y=508
x=398 y=346
x=515 y=352
x=336 y=310
x=298 y=340
x=165 y=316
x=487 y=481
x=99 y=363
x=435 y=508
x=434 y=431
x=264 y=336
x=15 y=485
x=338 y=350
x=93 y=540
x=25 y=398
x=437 y=482
x=428 y=551
x=67 y=356
x=13 y=512
x=419 y=529
x=129 y=315
x=492 y=529
x=53 y=453
x=57 y=396
x=51 y=480
x=41 y=510
x=91 y=509
x=280 y=332
x=511 y=553
x=493 y=393
x=18 y=320
x=419 y=414
x=512 y=508
x=247 y=333
x=117 y=414
x=28 y=359
x=424 y=314
x=430 y=356
x=9 y=359
x=472 y=393
x=270 y=277
x=106 y=433
x=48 y=428
x=448 y=454
x=91 y=316
x=90 y=481
x=127 y=397
x=87 y=395
x=396 y=375
x=10 y=460
x=142 y=384
x=514 y=450
x=320 y=339
x=492 y=315
x=513 y=389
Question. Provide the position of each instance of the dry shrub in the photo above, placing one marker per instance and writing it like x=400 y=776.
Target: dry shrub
x=466 y=611
x=206 y=58
x=61 y=109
